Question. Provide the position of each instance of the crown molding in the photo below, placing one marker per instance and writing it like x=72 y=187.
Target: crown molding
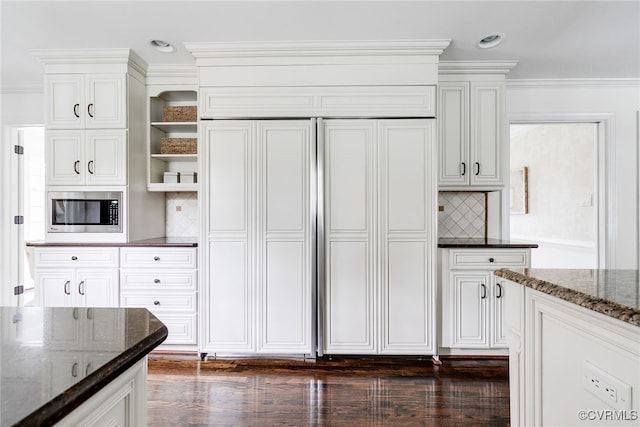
x=293 y=49
x=115 y=56
x=476 y=67
x=541 y=83
x=158 y=74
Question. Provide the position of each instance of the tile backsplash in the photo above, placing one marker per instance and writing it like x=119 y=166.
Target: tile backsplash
x=181 y=214
x=462 y=214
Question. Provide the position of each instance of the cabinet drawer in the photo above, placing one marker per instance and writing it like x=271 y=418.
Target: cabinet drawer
x=145 y=281
x=489 y=259
x=76 y=257
x=158 y=257
x=182 y=328
x=161 y=301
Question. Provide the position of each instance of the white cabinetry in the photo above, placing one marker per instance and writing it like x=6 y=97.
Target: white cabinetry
x=379 y=207
x=92 y=157
x=77 y=277
x=472 y=125
x=159 y=163
x=164 y=281
x=473 y=298
x=91 y=101
x=258 y=216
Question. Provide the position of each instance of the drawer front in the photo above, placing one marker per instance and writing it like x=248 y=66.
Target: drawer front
x=158 y=257
x=145 y=281
x=76 y=257
x=489 y=259
x=182 y=328
x=184 y=302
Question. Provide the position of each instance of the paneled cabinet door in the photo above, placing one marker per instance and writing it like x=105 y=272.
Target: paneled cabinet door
x=78 y=101
x=498 y=323
x=55 y=287
x=470 y=309
x=487 y=133
x=76 y=157
x=78 y=288
x=259 y=250
x=453 y=134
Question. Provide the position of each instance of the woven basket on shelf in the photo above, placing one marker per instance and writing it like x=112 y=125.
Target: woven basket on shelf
x=186 y=113
x=178 y=145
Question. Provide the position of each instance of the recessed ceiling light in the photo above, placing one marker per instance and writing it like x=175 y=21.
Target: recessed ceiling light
x=162 y=46
x=490 y=41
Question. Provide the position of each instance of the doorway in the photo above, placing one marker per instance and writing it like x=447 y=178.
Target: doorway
x=554 y=192
x=27 y=181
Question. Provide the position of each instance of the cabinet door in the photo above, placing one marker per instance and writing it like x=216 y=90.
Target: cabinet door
x=64 y=95
x=97 y=288
x=284 y=287
x=55 y=287
x=453 y=139
x=498 y=326
x=407 y=203
x=487 y=135
x=64 y=153
x=106 y=101
x=229 y=294
x=470 y=306
x=350 y=268
x=106 y=161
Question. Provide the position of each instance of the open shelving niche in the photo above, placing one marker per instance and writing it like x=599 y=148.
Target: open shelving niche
x=161 y=163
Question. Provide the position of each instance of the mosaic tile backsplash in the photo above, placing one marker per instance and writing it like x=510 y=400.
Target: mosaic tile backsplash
x=462 y=214
x=181 y=214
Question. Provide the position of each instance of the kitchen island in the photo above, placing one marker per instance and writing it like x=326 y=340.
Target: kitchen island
x=67 y=366
x=574 y=346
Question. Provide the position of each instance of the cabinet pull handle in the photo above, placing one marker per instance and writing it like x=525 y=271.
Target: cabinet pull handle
x=75 y=167
x=491 y=259
x=88 y=369
x=90 y=110
x=89 y=165
x=81 y=288
x=499 y=290
x=75 y=110
x=156 y=281
x=156 y=258
x=156 y=302
x=90 y=313
x=74 y=258
x=477 y=168
x=484 y=291
x=75 y=313
x=74 y=370
x=66 y=287
x=464 y=168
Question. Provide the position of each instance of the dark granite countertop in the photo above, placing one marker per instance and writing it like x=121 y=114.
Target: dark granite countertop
x=175 y=242
x=615 y=293
x=54 y=359
x=474 y=242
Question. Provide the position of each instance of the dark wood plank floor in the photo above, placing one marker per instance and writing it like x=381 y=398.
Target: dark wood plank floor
x=183 y=391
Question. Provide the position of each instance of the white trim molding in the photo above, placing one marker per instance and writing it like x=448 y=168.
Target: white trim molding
x=476 y=67
x=21 y=90
x=555 y=83
x=606 y=180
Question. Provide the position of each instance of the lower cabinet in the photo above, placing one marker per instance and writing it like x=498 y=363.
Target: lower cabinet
x=77 y=277
x=164 y=281
x=473 y=299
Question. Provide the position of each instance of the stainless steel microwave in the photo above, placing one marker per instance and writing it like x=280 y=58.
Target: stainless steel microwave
x=84 y=211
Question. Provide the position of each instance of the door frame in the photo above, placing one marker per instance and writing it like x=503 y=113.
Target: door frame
x=606 y=220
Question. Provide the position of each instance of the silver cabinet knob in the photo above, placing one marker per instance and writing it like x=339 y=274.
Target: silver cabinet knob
x=156 y=258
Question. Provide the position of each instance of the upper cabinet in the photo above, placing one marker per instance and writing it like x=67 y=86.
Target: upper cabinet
x=91 y=101
x=472 y=125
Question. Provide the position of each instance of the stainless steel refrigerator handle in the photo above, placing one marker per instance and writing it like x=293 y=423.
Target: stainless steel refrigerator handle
x=320 y=267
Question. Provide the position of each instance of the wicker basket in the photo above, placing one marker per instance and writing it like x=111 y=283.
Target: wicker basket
x=178 y=145
x=180 y=114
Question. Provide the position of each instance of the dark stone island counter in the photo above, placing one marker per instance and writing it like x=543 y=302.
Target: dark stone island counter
x=54 y=360
x=615 y=293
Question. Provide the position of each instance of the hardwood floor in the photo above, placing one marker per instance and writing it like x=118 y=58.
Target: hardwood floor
x=183 y=391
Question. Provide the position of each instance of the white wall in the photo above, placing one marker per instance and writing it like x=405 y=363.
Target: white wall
x=617 y=102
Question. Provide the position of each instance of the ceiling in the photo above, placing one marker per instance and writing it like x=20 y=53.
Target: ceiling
x=549 y=39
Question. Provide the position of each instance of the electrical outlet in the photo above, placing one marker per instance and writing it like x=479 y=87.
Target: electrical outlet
x=606 y=387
